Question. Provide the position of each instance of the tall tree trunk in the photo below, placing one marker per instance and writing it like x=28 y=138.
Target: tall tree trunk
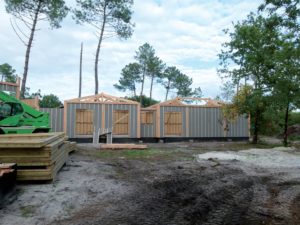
x=142 y=88
x=80 y=71
x=286 y=119
x=27 y=55
x=168 y=89
x=151 y=86
x=167 y=93
x=98 y=50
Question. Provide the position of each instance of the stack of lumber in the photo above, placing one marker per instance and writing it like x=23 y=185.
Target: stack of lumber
x=122 y=146
x=72 y=147
x=8 y=174
x=38 y=156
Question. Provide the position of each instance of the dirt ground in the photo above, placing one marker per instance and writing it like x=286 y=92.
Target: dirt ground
x=169 y=184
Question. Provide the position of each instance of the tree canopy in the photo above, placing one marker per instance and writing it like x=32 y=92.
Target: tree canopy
x=7 y=73
x=148 y=65
x=143 y=56
x=264 y=50
x=130 y=77
x=169 y=79
x=146 y=100
x=50 y=101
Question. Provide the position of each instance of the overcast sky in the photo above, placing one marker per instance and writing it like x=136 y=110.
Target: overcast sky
x=187 y=34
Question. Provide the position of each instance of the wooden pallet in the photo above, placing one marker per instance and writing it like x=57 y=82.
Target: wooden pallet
x=35 y=163
x=122 y=146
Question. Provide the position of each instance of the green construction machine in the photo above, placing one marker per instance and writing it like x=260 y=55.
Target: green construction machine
x=17 y=117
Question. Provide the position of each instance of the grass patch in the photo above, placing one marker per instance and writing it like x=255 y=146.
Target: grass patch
x=148 y=154
x=294 y=138
x=185 y=152
x=262 y=144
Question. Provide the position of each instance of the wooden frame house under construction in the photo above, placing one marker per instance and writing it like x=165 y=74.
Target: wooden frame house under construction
x=191 y=118
x=173 y=120
x=176 y=119
x=102 y=112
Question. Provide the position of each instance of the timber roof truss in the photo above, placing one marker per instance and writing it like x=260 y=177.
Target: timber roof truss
x=102 y=98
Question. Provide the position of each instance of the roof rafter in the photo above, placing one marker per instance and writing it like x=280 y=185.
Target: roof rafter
x=187 y=101
x=102 y=98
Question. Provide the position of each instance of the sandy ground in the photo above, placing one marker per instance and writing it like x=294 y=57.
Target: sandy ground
x=177 y=183
x=81 y=182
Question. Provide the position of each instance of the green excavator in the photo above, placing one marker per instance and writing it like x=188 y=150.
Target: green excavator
x=17 y=117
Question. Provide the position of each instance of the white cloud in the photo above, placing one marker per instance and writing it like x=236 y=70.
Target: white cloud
x=180 y=31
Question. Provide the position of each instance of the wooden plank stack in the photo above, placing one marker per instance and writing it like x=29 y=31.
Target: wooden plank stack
x=38 y=156
x=72 y=147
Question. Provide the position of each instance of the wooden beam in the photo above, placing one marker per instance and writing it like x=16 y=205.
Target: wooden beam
x=187 y=125
x=193 y=98
x=18 y=95
x=249 y=125
x=210 y=103
x=65 y=117
x=122 y=146
x=106 y=102
x=30 y=136
x=129 y=122
x=102 y=98
x=28 y=141
x=9 y=83
x=138 y=121
x=158 y=122
x=103 y=116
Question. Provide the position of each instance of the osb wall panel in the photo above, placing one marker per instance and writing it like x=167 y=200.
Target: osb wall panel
x=84 y=122
x=121 y=122
x=173 y=123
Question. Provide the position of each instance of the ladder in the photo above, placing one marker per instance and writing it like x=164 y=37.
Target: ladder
x=107 y=131
x=102 y=131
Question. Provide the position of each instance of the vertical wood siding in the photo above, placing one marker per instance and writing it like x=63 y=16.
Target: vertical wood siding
x=108 y=110
x=163 y=111
x=84 y=122
x=173 y=123
x=133 y=118
x=205 y=122
x=96 y=109
x=56 y=118
x=121 y=122
x=148 y=129
x=201 y=122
